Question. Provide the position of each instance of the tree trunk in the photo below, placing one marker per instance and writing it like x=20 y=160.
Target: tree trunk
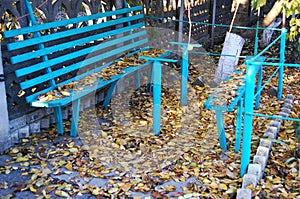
x=273 y=13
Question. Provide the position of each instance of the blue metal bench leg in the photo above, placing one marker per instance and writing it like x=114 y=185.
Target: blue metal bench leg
x=259 y=83
x=109 y=94
x=75 y=117
x=184 y=77
x=156 y=96
x=58 y=120
x=238 y=130
x=221 y=130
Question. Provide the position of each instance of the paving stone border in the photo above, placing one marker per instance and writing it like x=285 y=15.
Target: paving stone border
x=256 y=169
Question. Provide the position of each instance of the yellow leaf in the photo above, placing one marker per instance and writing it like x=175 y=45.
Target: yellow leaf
x=114 y=145
x=46 y=195
x=69 y=166
x=32 y=189
x=61 y=193
x=22 y=159
x=96 y=191
x=65 y=93
x=214 y=185
x=223 y=186
x=21 y=93
x=126 y=187
x=73 y=150
x=113 y=190
x=206 y=181
x=62 y=162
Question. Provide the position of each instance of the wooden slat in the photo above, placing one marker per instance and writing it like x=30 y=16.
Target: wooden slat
x=66 y=45
x=70 y=32
x=42 y=65
x=57 y=73
x=49 y=25
x=34 y=96
x=100 y=84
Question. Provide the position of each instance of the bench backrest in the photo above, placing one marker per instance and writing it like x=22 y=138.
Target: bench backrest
x=52 y=53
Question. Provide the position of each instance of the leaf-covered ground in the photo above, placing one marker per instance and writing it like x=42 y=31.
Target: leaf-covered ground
x=116 y=154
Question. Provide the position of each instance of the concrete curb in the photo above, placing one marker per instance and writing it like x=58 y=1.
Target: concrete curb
x=256 y=169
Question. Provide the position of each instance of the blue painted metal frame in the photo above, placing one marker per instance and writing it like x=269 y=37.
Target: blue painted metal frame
x=132 y=42
x=249 y=96
x=238 y=101
x=156 y=75
x=184 y=69
x=249 y=99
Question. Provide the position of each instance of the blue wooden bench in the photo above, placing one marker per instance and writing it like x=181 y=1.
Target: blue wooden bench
x=66 y=59
x=226 y=99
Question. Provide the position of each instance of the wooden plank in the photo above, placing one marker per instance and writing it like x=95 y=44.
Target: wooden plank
x=101 y=83
x=69 y=32
x=73 y=67
x=55 y=24
x=33 y=97
x=66 y=45
x=58 y=60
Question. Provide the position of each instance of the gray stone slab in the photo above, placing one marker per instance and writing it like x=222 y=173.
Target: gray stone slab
x=283 y=114
x=276 y=124
x=261 y=160
x=290 y=97
x=15 y=137
x=263 y=151
x=244 y=194
x=36 y=115
x=35 y=127
x=249 y=179
x=288 y=106
x=286 y=110
x=265 y=143
x=24 y=132
x=269 y=134
x=255 y=169
x=45 y=123
x=17 y=123
x=288 y=101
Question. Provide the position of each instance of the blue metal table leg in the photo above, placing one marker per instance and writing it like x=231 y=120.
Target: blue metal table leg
x=221 y=130
x=249 y=98
x=184 y=76
x=239 y=119
x=184 y=69
x=156 y=96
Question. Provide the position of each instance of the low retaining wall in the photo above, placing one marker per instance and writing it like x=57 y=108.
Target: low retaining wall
x=255 y=170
